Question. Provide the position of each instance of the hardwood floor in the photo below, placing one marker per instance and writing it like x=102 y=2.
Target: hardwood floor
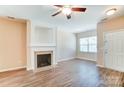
x=111 y=78
x=73 y=73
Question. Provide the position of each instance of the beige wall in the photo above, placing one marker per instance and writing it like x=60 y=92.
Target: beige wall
x=83 y=55
x=12 y=44
x=109 y=25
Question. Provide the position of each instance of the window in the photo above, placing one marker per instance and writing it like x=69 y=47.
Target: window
x=84 y=44
x=88 y=44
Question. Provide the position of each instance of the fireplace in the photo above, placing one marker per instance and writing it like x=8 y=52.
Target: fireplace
x=43 y=60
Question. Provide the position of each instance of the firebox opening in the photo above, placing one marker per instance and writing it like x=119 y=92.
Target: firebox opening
x=43 y=60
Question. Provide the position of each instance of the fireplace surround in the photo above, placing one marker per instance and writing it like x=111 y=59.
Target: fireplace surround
x=42 y=50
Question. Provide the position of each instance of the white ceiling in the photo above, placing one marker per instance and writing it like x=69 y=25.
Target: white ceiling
x=78 y=22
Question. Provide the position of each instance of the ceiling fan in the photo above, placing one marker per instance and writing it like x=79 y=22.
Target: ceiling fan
x=67 y=10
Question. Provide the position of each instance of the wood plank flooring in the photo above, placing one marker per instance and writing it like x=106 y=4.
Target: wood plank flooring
x=73 y=73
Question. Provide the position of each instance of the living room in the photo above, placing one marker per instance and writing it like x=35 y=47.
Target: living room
x=43 y=47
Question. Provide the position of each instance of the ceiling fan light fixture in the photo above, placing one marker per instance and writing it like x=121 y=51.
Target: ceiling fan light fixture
x=111 y=11
x=66 y=10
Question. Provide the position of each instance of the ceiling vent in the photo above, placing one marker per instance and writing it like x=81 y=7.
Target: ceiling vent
x=104 y=19
x=10 y=17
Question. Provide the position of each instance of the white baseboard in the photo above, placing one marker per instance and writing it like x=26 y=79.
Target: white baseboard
x=99 y=65
x=28 y=69
x=66 y=59
x=109 y=68
x=10 y=69
x=85 y=58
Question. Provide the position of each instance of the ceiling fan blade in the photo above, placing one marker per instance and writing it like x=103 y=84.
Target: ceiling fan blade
x=68 y=16
x=56 y=13
x=79 y=9
x=60 y=6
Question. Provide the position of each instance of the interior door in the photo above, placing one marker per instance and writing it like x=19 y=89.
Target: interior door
x=114 y=50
